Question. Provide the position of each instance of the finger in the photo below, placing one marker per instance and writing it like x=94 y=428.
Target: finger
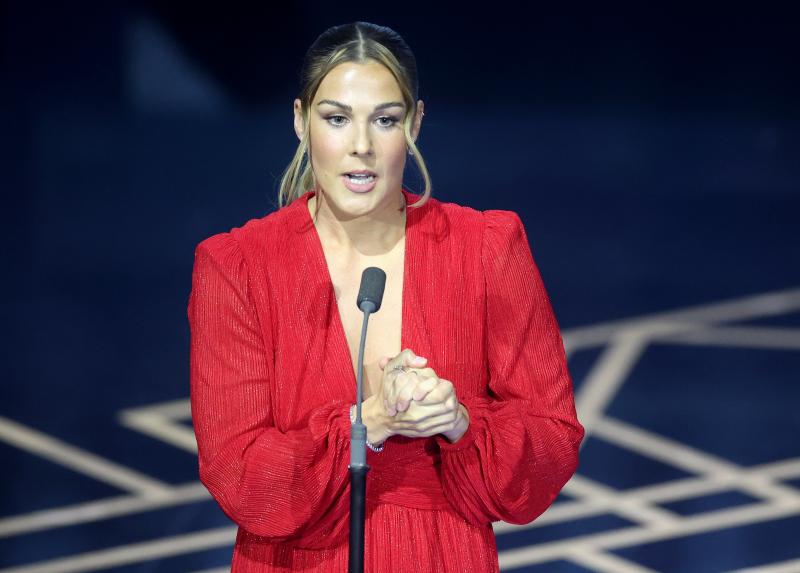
x=383 y=361
x=403 y=361
x=443 y=425
x=392 y=389
x=393 y=376
x=443 y=390
x=389 y=392
x=424 y=387
x=392 y=369
x=407 y=390
x=409 y=358
x=427 y=381
x=428 y=426
x=418 y=413
x=402 y=389
x=425 y=372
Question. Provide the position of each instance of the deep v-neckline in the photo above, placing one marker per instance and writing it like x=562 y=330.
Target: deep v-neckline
x=344 y=356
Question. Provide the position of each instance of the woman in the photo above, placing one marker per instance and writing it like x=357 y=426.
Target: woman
x=468 y=401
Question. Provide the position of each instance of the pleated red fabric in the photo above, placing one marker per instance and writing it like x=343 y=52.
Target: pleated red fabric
x=272 y=382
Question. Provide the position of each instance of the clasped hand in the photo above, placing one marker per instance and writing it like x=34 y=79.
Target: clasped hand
x=416 y=402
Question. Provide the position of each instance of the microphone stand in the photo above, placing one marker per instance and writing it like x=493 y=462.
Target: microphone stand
x=369 y=301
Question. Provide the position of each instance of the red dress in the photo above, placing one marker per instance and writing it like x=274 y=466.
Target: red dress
x=272 y=382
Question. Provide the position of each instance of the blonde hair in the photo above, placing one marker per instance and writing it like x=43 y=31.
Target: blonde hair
x=356 y=42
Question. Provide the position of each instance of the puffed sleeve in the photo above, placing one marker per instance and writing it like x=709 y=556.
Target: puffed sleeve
x=282 y=485
x=522 y=443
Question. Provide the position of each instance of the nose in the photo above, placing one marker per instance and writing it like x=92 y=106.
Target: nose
x=362 y=142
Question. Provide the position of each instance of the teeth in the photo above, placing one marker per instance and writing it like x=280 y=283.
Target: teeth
x=361 y=177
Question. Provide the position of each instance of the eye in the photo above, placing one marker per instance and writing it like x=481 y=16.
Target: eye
x=336 y=120
x=387 y=121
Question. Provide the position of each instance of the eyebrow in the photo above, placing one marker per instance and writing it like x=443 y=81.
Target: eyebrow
x=350 y=109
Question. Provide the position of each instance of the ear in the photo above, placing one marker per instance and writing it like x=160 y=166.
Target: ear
x=417 y=123
x=299 y=124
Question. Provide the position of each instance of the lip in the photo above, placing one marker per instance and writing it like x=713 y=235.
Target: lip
x=361 y=172
x=360 y=187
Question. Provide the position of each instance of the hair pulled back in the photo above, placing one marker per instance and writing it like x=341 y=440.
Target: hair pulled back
x=356 y=42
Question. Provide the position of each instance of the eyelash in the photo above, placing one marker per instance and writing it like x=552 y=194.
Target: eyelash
x=394 y=120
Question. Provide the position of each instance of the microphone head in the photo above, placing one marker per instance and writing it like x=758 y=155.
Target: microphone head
x=370 y=293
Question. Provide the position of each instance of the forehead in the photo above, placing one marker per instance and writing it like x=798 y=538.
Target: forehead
x=355 y=83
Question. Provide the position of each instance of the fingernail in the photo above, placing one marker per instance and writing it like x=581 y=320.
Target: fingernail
x=420 y=360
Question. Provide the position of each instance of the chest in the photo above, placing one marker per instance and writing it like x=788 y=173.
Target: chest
x=385 y=326
x=434 y=303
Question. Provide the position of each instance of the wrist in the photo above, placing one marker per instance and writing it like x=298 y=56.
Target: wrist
x=375 y=420
x=462 y=424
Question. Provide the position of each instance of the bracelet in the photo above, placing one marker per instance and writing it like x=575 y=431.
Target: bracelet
x=375 y=448
x=371 y=446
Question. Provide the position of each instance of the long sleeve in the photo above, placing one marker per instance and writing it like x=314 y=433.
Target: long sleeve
x=522 y=443
x=282 y=485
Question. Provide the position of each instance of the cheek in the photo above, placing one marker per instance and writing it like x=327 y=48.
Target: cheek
x=326 y=152
x=395 y=153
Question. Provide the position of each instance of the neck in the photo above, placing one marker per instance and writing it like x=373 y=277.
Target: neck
x=373 y=234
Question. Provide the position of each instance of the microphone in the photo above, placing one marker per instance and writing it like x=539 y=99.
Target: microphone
x=370 y=296
x=370 y=293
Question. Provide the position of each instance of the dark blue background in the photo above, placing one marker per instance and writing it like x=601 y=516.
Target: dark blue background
x=652 y=152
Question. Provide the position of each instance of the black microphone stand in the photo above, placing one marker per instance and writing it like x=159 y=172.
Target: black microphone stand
x=370 y=295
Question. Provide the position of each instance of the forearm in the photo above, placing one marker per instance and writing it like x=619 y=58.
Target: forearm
x=261 y=475
x=511 y=463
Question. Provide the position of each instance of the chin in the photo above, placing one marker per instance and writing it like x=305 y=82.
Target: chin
x=356 y=204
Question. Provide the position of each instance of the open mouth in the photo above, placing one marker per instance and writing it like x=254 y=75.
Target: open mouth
x=360 y=178
x=359 y=182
